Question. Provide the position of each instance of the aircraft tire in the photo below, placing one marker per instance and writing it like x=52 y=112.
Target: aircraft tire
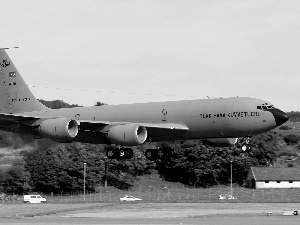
x=151 y=154
x=111 y=154
x=246 y=147
x=160 y=154
x=128 y=153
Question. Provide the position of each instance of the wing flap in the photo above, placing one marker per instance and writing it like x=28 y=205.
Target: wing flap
x=98 y=125
x=167 y=126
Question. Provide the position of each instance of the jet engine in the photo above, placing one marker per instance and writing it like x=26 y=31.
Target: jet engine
x=220 y=142
x=127 y=135
x=59 y=129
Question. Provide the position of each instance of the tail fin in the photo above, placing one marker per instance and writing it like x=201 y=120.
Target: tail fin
x=15 y=96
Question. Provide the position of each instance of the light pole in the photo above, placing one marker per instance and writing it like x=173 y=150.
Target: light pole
x=105 y=174
x=84 y=171
x=231 y=178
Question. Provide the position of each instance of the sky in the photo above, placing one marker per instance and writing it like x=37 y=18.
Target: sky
x=129 y=51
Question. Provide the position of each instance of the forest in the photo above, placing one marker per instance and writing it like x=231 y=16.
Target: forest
x=49 y=167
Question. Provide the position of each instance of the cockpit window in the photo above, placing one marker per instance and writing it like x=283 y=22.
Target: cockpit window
x=265 y=106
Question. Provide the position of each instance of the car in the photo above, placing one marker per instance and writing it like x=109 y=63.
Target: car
x=226 y=196
x=129 y=198
x=33 y=199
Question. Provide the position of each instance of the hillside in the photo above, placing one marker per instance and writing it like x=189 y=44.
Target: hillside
x=289 y=154
x=13 y=145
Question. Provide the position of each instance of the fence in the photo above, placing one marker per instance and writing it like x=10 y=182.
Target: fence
x=184 y=195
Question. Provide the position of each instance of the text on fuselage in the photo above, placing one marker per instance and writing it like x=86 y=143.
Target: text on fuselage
x=230 y=114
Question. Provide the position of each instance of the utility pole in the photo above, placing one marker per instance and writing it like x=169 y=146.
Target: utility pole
x=84 y=172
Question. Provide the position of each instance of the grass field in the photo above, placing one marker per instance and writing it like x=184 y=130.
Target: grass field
x=145 y=210
x=29 y=210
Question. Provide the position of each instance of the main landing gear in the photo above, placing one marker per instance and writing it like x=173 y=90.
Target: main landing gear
x=245 y=145
x=127 y=153
x=160 y=153
x=119 y=153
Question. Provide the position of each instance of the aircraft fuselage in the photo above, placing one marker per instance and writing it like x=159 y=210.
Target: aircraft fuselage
x=205 y=118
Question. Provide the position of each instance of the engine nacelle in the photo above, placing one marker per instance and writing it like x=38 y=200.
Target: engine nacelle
x=59 y=129
x=127 y=135
x=220 y=142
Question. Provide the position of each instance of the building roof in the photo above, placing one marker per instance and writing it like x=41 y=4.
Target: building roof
x=276 y=174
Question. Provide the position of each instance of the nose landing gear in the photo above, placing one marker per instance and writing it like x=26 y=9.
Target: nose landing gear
x=245 y=145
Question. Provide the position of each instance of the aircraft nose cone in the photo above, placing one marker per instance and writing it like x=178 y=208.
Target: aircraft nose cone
x=280 y=116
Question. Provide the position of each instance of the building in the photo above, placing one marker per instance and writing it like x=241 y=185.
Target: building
x=272 y=177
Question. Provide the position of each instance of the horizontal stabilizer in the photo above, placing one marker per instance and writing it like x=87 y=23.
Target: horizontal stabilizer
x=9 y=48
x=16 y=117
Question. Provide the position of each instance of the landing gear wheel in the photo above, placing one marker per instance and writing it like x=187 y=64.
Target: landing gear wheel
x=122 y=153
x=160 y=153
x=246 y=147
x=129 y=152
x=110 y=154
x=150 y=154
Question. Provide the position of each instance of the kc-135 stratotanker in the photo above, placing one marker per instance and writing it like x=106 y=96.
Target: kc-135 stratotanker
x=218 y=122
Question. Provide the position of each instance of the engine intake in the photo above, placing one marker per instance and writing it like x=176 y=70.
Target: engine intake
x=59 y=129
x=127 y=135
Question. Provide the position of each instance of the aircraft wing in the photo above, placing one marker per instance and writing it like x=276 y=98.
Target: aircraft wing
x=84 y=124
x=154 y=130
x=93 y=123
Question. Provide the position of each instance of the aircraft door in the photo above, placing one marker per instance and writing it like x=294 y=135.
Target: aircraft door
x=164 y=115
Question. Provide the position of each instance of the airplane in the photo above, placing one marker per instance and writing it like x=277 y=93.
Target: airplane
x=218 y=122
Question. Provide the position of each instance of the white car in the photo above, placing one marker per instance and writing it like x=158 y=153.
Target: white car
x=226 y=196
x=128 y=198
x=33 y=199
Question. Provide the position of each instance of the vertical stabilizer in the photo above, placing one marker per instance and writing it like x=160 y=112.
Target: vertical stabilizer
x=15 y=96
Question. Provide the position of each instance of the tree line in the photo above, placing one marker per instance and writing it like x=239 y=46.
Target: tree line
x=60 y=168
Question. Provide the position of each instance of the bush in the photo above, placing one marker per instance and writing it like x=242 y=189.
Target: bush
x=285 y=127
x=287 y=154
x=291 y=139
